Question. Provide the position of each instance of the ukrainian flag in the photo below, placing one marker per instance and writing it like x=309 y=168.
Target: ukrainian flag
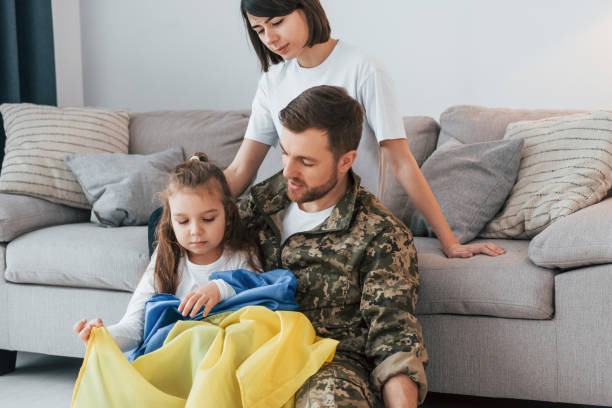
x=253 y=357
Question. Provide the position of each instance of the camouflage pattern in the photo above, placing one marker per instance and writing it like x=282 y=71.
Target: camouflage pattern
x=341 y=383
x=357 y=276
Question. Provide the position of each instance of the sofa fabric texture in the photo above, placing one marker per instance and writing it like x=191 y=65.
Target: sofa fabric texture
x=566 y=165
x=37 y=139
x=473 y=124
x=20 y=214
x=514 y=288
x=2 y=257
x=122 y=188
x=216 y=133
x=471 y=183
x=580 y=239
x=91 y=257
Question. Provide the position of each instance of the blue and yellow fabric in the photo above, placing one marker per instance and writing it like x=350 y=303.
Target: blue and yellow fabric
x=273 y=289
x=251 y=357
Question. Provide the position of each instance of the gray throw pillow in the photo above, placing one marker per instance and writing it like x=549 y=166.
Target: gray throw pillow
x=121 y=187
x=578 y=239
x=471 y=183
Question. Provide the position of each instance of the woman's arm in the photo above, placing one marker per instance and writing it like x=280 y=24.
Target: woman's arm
x=407 y=172
x=243 y=169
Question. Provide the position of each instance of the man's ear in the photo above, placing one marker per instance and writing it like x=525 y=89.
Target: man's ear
x=346 y=161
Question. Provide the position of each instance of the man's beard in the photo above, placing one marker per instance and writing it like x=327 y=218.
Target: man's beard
x=313 y=194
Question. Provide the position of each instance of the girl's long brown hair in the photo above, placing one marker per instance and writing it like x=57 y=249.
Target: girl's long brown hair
x=198 y=173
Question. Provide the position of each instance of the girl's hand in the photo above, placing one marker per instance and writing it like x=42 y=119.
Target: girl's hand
x=469 y=250
x=83 y=329
x=208 y=295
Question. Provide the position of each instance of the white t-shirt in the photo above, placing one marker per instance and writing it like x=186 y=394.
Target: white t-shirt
x=128 y=333
x=362 y=77
x=296 y=220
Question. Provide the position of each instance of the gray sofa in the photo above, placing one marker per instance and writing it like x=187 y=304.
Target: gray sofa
x=494 y=327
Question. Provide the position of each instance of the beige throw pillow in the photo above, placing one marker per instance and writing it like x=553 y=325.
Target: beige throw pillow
x=37 y=139
x=566 y=165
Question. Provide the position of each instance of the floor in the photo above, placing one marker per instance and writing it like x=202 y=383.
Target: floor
x=47 y=381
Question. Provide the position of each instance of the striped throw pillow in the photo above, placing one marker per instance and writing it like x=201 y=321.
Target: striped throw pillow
x=37 y=139
x=566 y=165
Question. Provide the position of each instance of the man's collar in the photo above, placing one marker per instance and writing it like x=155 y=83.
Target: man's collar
x=271 y=197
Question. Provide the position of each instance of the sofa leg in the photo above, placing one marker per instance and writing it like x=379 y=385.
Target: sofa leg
x=7 y=361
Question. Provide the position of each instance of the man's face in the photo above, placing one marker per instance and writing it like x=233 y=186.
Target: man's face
x=309 y=167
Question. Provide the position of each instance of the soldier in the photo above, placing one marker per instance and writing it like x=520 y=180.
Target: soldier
x=355 y=262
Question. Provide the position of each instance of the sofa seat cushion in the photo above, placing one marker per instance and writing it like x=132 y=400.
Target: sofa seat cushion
x=508 y=286
x=79 y=255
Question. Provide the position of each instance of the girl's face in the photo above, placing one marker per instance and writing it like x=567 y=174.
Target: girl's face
x=284 y=35
x=198 y=221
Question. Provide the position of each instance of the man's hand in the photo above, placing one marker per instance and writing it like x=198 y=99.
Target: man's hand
x=400 y=391
x=469 y=250
x=208 y=295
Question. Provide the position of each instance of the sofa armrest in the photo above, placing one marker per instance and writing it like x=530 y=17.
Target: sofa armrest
x=20 y=214
x=579 y=239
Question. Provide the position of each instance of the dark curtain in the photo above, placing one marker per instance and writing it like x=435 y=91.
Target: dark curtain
x=27 y=66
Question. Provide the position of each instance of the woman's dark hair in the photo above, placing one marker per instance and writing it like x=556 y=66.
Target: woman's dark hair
x=329 y=108
x=318 y=25
x=198 y=172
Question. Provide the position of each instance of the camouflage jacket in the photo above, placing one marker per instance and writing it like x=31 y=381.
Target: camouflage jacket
x=357 y=276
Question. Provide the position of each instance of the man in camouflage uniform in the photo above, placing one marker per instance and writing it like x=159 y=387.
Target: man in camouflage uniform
x=356 y=271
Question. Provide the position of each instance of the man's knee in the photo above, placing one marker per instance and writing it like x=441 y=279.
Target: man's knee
x=336 y=385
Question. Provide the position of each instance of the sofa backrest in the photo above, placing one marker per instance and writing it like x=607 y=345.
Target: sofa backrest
x=219 y=134
x=216 y=133
x=473 y=124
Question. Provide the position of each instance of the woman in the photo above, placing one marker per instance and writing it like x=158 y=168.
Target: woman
x=297 y=33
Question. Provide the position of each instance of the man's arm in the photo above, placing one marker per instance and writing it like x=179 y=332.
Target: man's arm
x=390 y=282
x=243 y=169
x=400 y=391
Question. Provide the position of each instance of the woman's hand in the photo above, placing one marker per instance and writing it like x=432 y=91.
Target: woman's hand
x=469 y=250
x=83 y=329
x=208 y=295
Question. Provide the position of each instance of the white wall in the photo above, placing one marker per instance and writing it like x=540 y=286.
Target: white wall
x=67 y=49
x=191 y=54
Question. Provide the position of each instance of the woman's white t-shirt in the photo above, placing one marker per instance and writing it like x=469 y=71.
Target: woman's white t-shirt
x=129 y=331
x=362 y=77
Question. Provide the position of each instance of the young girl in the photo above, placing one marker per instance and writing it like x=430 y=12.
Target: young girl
x=292 y=41
x=200 y=232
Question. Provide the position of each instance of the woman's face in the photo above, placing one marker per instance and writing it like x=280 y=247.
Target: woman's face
x=284 y=35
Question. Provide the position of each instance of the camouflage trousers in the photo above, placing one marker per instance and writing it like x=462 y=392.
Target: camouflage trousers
x=343 y=383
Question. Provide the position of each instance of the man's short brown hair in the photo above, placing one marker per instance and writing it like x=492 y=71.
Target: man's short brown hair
x=328 y=108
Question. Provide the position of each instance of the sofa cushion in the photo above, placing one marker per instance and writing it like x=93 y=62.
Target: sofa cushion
x=471 y=183
x=216 y=133
x=565 y=166
x=508 y=285
x=37 y=139
x=122 y=188
x=20 y=214
x=472 y=124
x=80 y=255
x=582 y=238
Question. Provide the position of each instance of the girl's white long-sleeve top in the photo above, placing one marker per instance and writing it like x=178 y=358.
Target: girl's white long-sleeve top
x=128 y=332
